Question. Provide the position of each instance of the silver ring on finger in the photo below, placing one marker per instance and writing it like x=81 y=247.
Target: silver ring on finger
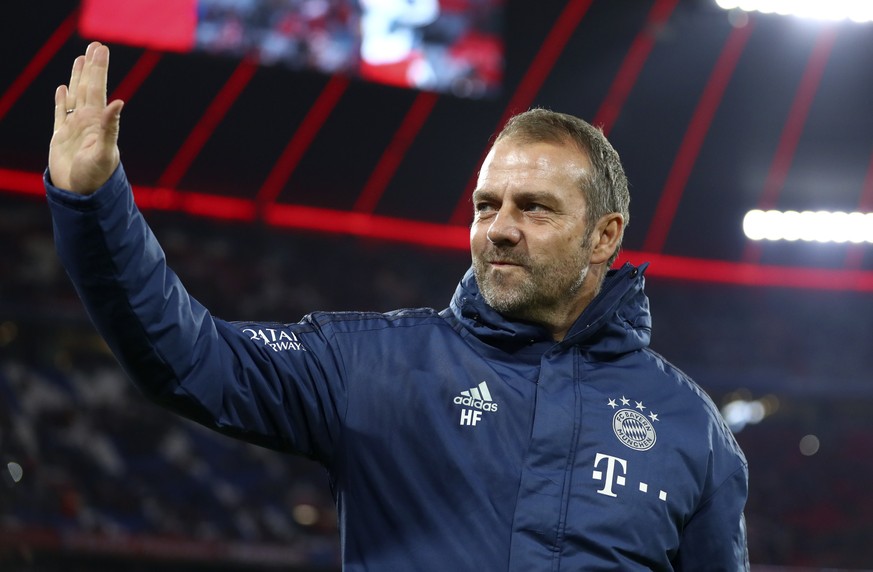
x=69 y=111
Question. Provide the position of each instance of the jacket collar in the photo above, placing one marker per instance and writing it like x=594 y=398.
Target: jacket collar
x=615 y=322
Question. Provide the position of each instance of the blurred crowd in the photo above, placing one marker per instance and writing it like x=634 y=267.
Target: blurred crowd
x=450 y=45
x=82 y=451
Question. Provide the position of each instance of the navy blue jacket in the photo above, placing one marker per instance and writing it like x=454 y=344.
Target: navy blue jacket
x=455 y=440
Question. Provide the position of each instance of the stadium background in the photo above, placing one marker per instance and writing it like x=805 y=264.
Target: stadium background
x=279 y=191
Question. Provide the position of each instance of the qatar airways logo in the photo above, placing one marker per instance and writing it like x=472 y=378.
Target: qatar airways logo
x=276 y=340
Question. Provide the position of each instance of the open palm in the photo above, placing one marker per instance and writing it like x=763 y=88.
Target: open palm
x=84 y=148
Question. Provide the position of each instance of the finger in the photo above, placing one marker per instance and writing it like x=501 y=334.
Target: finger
x=60 y=106
x=96 y=95
x=85 y=78
x=75 y=76
x=80 y=95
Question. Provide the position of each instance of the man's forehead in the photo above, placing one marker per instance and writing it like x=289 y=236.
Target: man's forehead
x=525 y=139
x=534 y=159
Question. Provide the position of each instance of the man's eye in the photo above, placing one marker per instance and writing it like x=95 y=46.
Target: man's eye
x=483 y=207
x=535 y=207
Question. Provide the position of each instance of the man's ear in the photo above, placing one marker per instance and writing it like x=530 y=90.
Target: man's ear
x=606 y=237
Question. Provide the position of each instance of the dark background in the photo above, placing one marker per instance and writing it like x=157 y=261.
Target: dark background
x=714 y=114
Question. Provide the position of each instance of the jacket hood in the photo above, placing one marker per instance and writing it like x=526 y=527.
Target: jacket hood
x=615 y=322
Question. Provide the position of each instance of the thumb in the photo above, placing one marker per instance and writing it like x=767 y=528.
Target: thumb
x=110 y=122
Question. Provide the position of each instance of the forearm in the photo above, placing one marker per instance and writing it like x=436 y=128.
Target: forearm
x=205 y=369
x=119 y=271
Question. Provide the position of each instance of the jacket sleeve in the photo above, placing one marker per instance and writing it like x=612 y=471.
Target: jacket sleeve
x=227 y=376
x=714 y=538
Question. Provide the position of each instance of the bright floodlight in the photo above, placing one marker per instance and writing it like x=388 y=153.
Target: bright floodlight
x=809 y=226
x=855 y=10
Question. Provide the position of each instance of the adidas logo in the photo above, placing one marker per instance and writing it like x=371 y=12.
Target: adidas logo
x=478 y=397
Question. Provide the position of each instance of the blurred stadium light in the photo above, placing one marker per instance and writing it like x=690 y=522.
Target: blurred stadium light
x=810 y=226
x=855 y=10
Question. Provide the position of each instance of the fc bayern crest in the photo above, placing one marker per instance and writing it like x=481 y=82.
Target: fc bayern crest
x=634 y=429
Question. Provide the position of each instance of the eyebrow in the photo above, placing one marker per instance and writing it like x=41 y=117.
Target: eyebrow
x=524 y=196
x=479 y=193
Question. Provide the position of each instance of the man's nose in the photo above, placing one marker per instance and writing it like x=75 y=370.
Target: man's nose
x=504 y=229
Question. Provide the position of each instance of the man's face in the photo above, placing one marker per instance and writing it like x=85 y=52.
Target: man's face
x=529 y=241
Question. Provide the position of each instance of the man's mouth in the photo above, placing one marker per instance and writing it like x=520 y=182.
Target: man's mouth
x=504 y=263
x=497 y=259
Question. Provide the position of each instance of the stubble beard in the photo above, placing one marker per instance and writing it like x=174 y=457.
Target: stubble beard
x=543 y=291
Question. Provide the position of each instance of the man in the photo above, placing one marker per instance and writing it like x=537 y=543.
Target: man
x=527 y=427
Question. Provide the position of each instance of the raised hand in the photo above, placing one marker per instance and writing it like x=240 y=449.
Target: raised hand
x=84 y=149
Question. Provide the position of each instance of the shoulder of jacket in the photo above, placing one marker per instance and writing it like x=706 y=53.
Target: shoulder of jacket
x=671 y=371
x=689 y=389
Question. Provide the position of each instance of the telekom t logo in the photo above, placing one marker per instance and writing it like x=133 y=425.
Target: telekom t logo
x=616 y=469
x=611 y=477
